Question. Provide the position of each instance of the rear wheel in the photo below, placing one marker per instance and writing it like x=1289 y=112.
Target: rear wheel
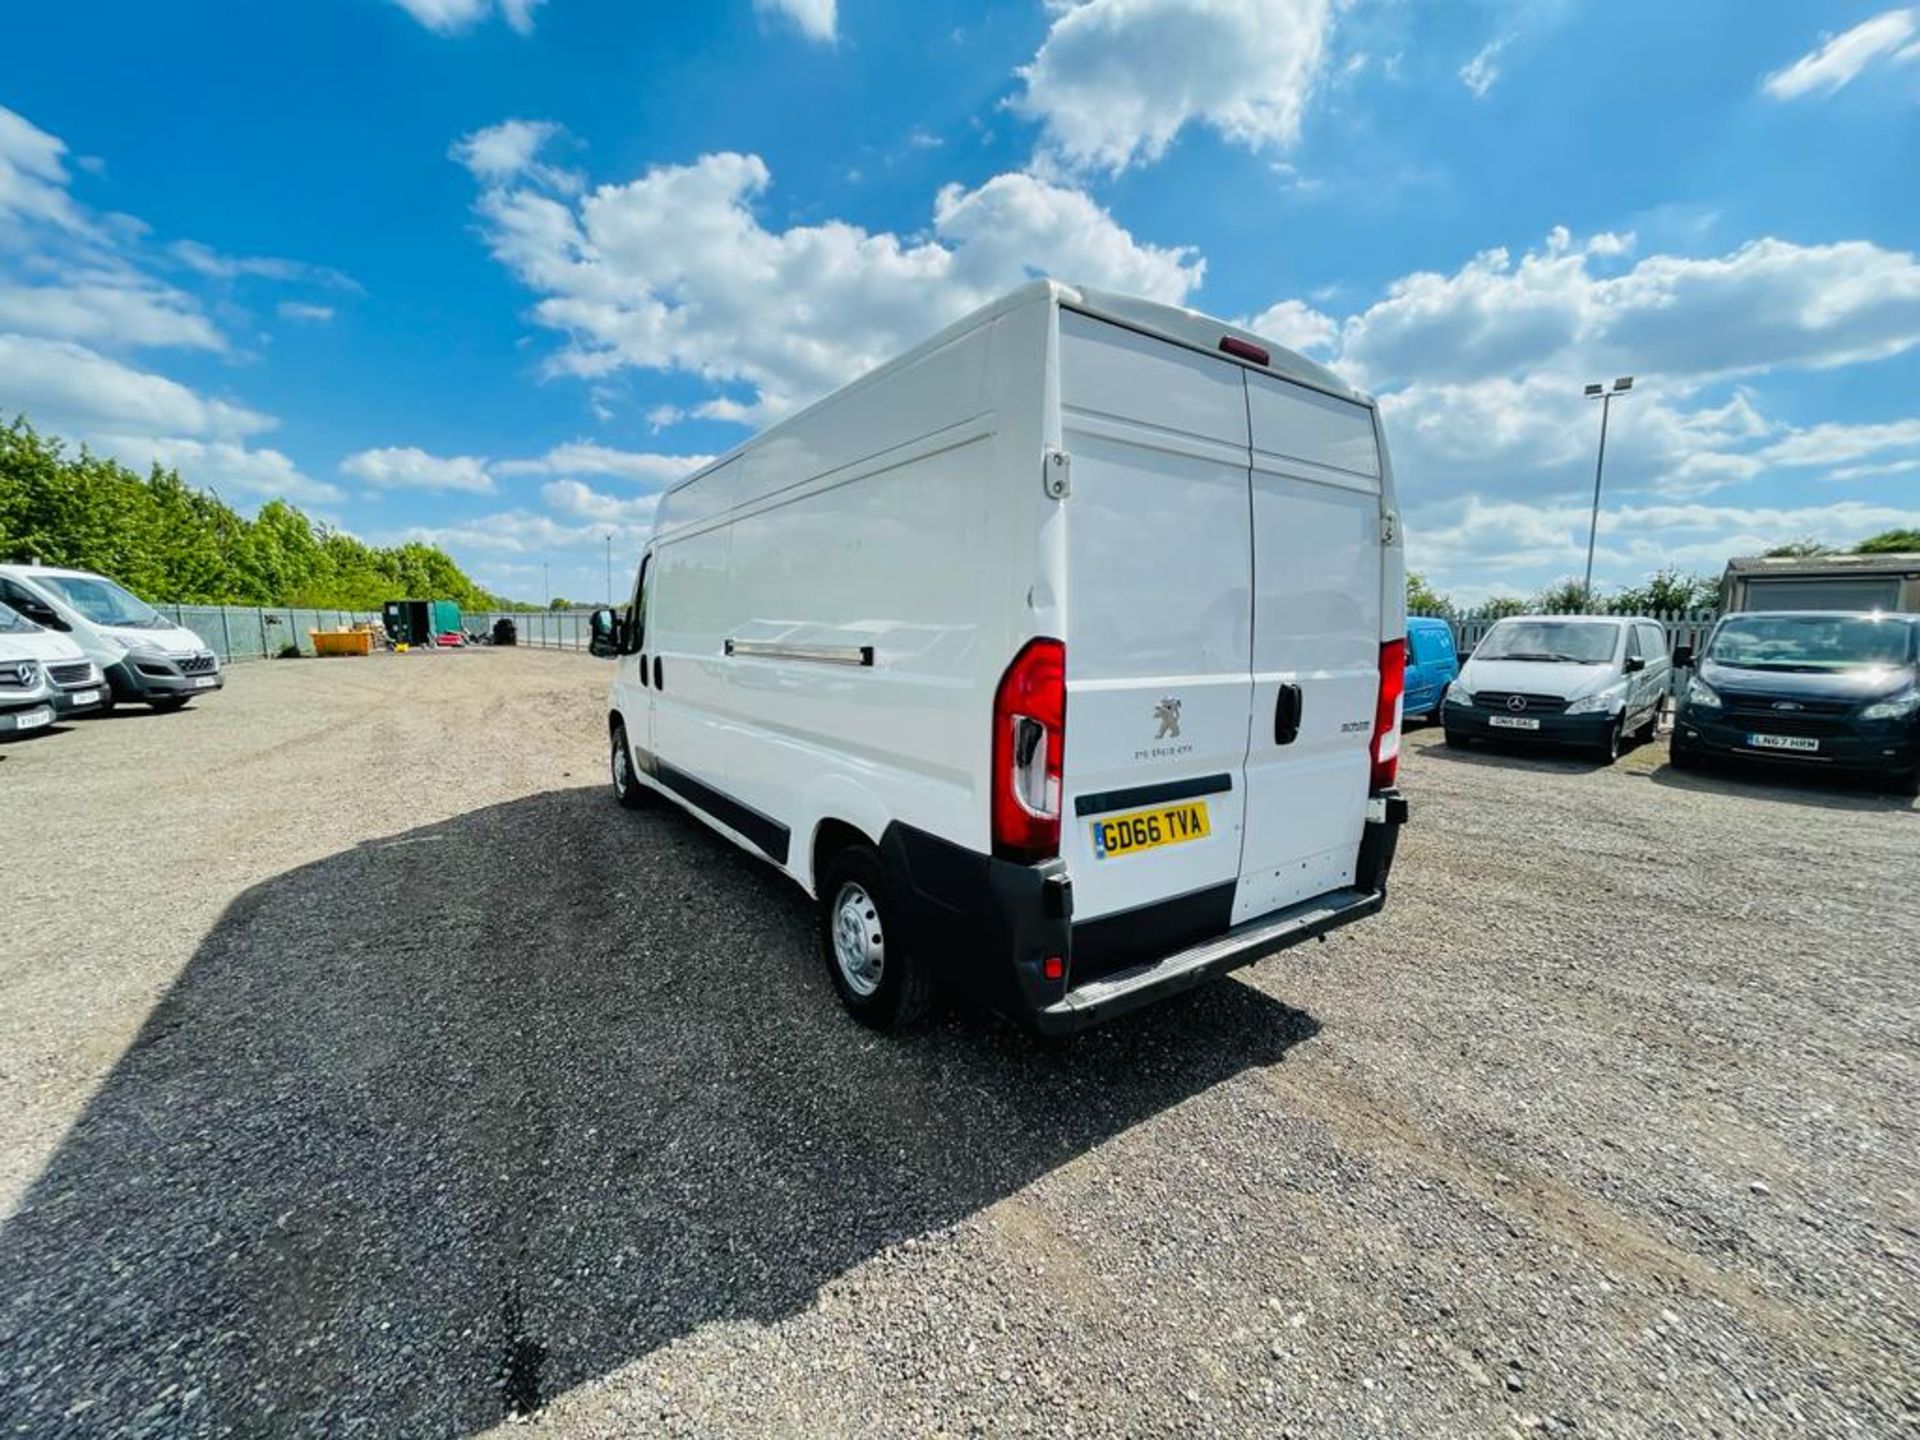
x=627 y=788
x=881 y=981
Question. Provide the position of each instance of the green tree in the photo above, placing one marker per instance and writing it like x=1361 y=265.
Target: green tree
x=1806 y=548
x=560 y=602
x=1668 y=590
x=164 y=539
x=1890 y=542
x=1565 y=597
x=1423 y=599
x=1498 y=607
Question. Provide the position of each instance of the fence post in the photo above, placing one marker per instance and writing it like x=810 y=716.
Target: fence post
x=226 y=638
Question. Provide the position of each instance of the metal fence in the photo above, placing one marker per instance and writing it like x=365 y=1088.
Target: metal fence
x=260 y=632
x=542 y=629
x=1682 y=627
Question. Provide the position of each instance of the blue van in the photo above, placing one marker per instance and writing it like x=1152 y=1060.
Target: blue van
x=1432 y=665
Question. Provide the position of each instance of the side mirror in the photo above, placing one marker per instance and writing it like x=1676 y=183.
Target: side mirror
x=43 y=615
x=1683 y=657
x=1634 y=665
x=603 y=634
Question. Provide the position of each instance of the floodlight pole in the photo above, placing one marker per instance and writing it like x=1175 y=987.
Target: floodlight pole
x=609 y=568
x=1605 y=397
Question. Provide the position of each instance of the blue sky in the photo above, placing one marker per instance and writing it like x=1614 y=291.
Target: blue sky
x=490 y=272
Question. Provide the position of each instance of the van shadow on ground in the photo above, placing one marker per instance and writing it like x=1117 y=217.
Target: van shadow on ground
x=460 y=1119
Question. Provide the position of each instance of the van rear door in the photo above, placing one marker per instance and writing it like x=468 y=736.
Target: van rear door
x=1317 y=560
x=1159 y=664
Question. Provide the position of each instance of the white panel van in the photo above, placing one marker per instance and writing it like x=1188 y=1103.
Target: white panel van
x=141 y=654
x=1059 y=660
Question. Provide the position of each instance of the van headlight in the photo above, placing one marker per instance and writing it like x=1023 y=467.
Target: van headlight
x=1894 y=707
x=1606 y=699
x=1702 y=694
x=1458 y=693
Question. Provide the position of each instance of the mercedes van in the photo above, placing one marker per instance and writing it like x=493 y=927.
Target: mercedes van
x=142 y=654
x=74 y=683
x=1590 y=681
x=1059 y=660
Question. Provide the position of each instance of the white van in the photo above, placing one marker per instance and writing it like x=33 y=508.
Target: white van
x=1060 y=659
x=74 y=684
x=142 y=654
x=1592 y=681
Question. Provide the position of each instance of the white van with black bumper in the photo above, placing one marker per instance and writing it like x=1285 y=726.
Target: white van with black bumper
x=141 y=654
x=1060 y=659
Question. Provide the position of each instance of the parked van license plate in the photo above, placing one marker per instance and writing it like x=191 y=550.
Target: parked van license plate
x=203 y=682
x=32 y=719
x=1513 y=722
x=1782 y=742
x=1148 y=829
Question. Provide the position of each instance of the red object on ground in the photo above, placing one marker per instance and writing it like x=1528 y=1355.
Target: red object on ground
x=449 y=637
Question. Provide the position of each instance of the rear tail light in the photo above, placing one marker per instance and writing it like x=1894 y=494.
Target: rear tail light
x=1029 y=751
x=1386 y=714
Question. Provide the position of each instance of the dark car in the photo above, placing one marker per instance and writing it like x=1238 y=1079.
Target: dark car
x=1834 y=690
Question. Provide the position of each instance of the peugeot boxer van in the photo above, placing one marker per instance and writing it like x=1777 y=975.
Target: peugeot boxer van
x=1059 y=660
x=75 y=685
x=142 y=654
x=1589 y=681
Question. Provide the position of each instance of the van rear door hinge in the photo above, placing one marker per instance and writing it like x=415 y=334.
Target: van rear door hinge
x=1056 y=474
x=1389 y=527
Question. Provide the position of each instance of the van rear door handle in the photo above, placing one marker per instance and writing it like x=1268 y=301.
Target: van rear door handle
x=1286 y=715
x=659 y=680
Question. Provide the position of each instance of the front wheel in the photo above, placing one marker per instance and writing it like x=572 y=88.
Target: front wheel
x=1907 y=784
x=881 y=981
x=1682 y=758
x=1457 y=741
x=1608 y=750
x=627 y=788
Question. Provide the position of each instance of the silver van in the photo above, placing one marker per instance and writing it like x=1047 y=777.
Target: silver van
x=1592 y=681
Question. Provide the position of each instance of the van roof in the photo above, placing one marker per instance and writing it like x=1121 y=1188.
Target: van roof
x=13 y=569
x=1190 y=328
x=1580 y=619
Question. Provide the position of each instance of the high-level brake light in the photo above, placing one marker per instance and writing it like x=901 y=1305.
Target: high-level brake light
x=1244 y=350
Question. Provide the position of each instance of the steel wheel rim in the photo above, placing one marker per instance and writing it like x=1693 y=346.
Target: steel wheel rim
x=859 y=948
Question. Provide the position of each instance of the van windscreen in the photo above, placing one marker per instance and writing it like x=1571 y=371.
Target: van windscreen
x=1566 y=642
x=105 y=603
x=1811 y=642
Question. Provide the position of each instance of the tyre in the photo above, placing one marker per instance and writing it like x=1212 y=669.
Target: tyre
x=1457 y=741
x=881 y=981
x=167 y=704
x=1608 y=750
x=627 y=788
x=1907 y=784
x=1682 y=758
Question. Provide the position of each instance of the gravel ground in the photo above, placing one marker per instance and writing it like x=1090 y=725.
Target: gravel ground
x=367 y=1069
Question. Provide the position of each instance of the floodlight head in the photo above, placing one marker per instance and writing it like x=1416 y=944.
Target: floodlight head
x=1595 y=391
x=1625 y=382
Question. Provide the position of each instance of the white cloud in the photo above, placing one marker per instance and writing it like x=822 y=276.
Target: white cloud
x=33 y=178
x=1296 y=325
x=571 y=497
x=815 y=18
x=204 y=260
x=224 y=467
x=450 y=17
x=301 y=310
x=71 y=390
x=1476 y=549
x=674 y=271
x=1834 y=444
x=1771 y=303
x=583 y=457
x=1841 y=59
x=1116 y=80
x=497 y=154
x=1479 y=73
x=109 y=307
x=406 y=467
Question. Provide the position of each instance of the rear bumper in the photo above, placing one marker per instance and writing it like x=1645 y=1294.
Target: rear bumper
x=990 y=926
x=1588 y=729
x=1868 y=747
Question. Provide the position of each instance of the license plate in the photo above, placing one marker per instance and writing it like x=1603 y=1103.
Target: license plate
x=32 y=719
x=1513 y=722
x=1782 y=742
x=203 y=682
x=1149 y=829
x=85 y=697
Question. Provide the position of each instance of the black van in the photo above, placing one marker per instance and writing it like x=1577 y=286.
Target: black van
x=1829 y=689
